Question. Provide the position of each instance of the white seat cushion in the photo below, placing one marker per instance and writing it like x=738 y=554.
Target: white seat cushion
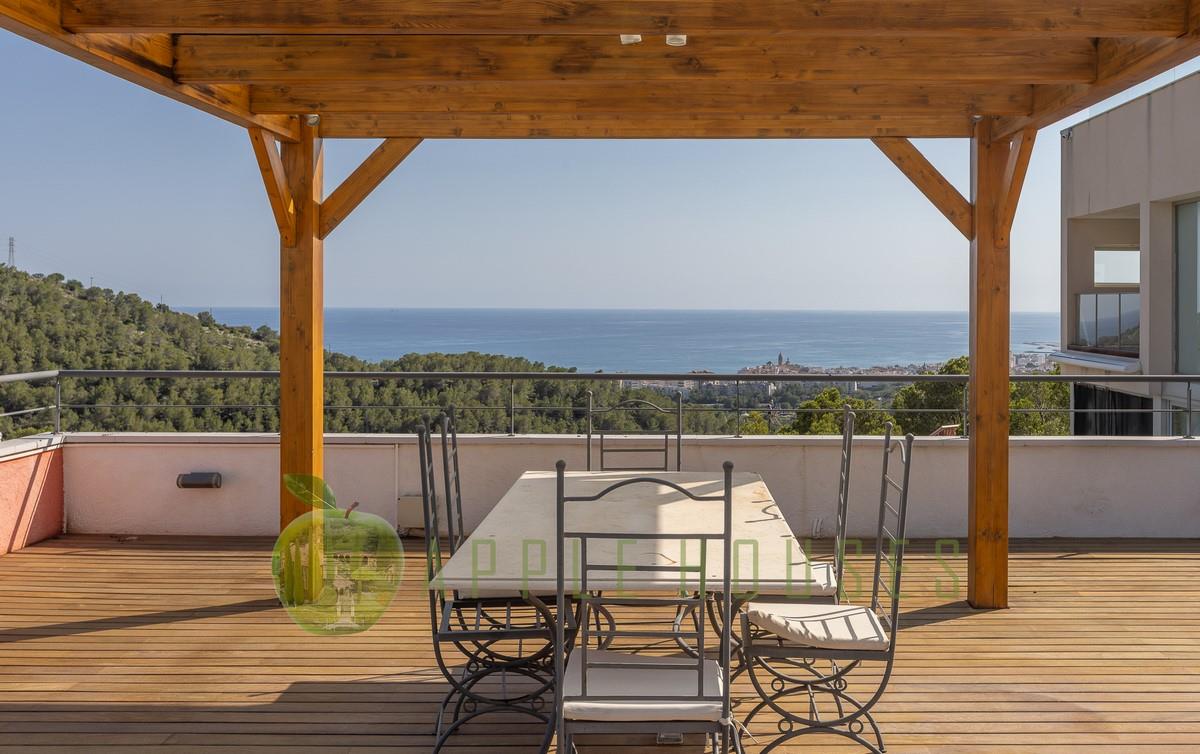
x=824 y=580
x=641 y=685
x=821 y=626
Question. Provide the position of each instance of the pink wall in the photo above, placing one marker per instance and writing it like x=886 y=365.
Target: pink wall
x=31 y=498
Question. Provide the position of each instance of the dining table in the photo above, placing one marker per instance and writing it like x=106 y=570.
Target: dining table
x=512 y=552
x=513 y=549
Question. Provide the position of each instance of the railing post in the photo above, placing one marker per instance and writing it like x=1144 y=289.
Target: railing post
x=512 y=408
x=589 y=430
x=966 y=410
x=679 y=430
x=1188 y=417
x=737 y=407
x=58 y=406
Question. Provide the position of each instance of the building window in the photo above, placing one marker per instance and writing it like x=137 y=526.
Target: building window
x=1109 y=318
x=1109 y=323
x=1117 y=266
x=1187 y=281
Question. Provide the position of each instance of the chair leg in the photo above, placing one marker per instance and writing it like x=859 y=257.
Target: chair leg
x=852 y=718
x=441 y=713
x=794 y=734
x=548 y=739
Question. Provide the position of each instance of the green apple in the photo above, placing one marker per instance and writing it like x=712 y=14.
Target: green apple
x=360 y=557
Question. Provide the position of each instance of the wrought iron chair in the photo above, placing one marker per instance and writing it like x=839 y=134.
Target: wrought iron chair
x=639 y=448
x=782 y=644
x=642 y=447
x=843 y=506
x=492 y=635
x=610 y=691
x=823 y=581
x=455 y=529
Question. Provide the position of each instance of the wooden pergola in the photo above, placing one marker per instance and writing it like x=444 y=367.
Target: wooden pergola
x=293 y=72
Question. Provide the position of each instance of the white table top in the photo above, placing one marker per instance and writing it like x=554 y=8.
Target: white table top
x=506 y=552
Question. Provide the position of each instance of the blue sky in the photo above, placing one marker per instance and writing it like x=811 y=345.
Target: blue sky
x=102 y=179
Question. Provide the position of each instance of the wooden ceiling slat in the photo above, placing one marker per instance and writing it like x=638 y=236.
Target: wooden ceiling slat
x=443 y=125
x=702 y=97
x=1088 y=18
x=290 y=59
x=553 y=68
x=144 y=59
x=1121 y=64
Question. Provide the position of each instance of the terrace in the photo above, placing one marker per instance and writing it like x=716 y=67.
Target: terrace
x=111 y=643
x=152 y=622
x=139 y=615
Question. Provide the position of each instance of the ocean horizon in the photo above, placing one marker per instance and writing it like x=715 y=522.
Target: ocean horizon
x=659 y=340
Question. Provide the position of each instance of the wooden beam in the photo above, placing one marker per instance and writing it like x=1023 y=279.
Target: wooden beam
x=144 y=59
x=279 y=194
x=296 y=59
x=1012 y=182
x=929 y=181
x=1091 y=18
x=451 y=126
x=301 y=325
x=1121 y=63
x=988 y=387
x=632 y=98
x=359 y=184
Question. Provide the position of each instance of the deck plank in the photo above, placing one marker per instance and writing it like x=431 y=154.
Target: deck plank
x=177 y=644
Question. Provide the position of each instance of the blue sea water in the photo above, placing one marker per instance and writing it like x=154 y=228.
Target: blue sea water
x=660 y=340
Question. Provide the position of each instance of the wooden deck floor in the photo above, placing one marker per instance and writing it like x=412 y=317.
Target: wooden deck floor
x=156 y=643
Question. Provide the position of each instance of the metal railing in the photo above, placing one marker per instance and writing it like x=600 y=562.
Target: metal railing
x=672 y=381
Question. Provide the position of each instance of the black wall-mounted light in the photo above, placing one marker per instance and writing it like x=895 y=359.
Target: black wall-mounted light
x=199 y=480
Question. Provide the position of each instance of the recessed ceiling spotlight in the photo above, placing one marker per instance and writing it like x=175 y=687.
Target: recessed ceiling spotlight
x=631 y=39
x=677 y=40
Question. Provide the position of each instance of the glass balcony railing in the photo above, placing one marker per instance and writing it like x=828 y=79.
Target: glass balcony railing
x=1109 y=323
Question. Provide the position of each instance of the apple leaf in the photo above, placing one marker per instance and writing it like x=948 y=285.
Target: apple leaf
x=311 y=490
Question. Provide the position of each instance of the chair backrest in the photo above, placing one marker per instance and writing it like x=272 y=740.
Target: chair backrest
x=453 y=484
x=589 y=601
x=660 y=452
x=843 y=501
x=432 y=520
x=889 y=541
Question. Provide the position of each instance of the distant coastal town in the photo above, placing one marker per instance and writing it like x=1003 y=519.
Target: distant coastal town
x=1020 y=363
x=1029 y=362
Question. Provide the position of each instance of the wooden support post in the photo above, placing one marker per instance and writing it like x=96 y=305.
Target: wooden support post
x=275 y=180
x=365 y=179
x=929 y=182
x=301 y=336
x=997 y=175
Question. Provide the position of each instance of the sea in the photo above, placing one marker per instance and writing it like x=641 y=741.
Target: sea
x=628 y=340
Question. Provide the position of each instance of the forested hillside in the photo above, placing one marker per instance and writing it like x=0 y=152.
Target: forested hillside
x=53 y=323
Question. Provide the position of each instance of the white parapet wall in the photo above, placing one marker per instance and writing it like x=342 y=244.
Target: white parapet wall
x=1061 y=486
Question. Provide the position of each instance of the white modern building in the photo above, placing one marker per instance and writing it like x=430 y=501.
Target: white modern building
x=1130 y=284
